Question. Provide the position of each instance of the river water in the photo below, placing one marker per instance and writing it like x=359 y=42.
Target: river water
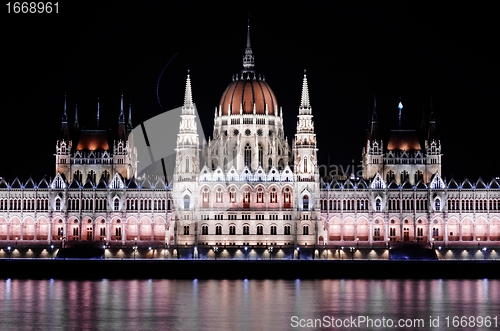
x=249 y=304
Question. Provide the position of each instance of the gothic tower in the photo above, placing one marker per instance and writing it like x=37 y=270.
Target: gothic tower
x=304 y=152
x=372 y=157
x=63 y=147
x=187 y=168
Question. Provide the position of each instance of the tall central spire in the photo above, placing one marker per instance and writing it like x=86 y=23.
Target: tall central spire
x=188 y=108
x=248 y=59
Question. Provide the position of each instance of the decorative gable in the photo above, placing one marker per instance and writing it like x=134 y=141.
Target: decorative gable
x=117 y=182
x=378 y=183
x=58 y=182
x=437 y=182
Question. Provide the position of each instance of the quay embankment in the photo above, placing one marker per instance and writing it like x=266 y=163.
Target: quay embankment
x=404 y=261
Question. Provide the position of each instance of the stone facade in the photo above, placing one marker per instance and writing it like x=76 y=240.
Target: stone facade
x=247 y=187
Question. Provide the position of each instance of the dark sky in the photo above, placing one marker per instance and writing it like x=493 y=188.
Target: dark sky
x=350 y=50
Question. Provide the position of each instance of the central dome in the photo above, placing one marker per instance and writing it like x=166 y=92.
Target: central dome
x=244 y=95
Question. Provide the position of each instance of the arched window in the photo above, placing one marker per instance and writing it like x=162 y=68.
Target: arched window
x=186 y=164
x=248 y=156
x=273 y=195
x=91 y=176
x=305 y=202
x=260 y=195
x=390 y=176
x=116 y=204
x=437 y=204
x=105 y=175
x=219 y=195
x=287 y=198
x=246 y=197
x=281 y=164
x=232 y=195
x=305 y=164
x=269 y=163
x=78 y=176
x=205 y=199
x=186 y=201
x=404 y=176
x=58 y=204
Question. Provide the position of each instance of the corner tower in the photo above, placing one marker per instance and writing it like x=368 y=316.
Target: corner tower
x=305 y=158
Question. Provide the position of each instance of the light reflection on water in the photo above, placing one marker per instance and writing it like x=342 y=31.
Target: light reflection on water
x=235 y=304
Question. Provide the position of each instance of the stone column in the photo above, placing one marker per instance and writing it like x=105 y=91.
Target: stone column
x=124 y=234
x=459 y=231
x=341 y=231
x=386 y=232
x=488 y=232
x=80 y=227
x=445 y=235
x=429 y=234
x=370 y=234
x=108 y=231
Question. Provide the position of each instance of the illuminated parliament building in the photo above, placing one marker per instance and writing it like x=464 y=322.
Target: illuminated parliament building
x=248 y=186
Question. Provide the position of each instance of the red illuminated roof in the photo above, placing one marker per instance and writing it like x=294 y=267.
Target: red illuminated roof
x=92 y=141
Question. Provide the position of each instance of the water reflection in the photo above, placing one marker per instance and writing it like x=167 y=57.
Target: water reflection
x=236 y=304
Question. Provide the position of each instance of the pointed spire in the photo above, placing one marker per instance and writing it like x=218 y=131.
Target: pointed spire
x=248 y=59
x=188 y=107
x=188 y=95
x=64 y=124
x=431 y=135
x=98 y=111
x=121 y=117
x=432 y=108
x=129 y=123
x=400 y=107
x=305 y=106
x=65 y=114
x=374 y=112
x=76 y=125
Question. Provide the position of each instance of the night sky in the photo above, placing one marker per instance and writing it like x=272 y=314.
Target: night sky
x=396 y=50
